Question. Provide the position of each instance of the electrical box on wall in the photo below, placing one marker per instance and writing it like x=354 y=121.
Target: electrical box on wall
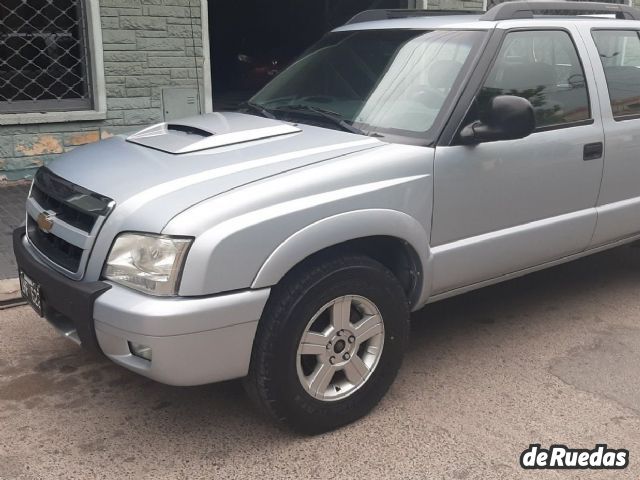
x=180 y=103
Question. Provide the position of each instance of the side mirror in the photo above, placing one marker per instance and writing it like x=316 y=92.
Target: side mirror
x=509 y=118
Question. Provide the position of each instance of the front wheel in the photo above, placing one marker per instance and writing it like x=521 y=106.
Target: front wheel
x=330 y=343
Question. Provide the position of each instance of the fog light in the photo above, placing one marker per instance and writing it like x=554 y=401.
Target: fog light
x=141 y=351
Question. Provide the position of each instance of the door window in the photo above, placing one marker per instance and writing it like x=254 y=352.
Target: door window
x=543 y=67
x=620 y=56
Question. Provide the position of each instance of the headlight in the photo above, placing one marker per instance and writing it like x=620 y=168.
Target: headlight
x=149 y=263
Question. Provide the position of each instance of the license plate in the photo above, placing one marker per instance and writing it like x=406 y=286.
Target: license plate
x=31 y=292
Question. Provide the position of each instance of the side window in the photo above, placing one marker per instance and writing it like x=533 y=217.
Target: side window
x=544 y=68
x=620 y=56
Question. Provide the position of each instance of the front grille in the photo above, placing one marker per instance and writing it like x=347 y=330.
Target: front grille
x=56 y=249
x=77 y=215
x=71 y=215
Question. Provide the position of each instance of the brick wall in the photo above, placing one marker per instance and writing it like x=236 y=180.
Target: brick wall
x=148 y=45
x=455 y=5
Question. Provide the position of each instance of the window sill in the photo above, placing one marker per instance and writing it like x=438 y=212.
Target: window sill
x=50 y=117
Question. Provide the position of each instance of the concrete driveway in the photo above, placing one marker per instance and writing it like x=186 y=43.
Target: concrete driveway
x=550 y=358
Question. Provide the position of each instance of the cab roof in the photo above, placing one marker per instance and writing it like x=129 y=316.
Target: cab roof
x=529 y=12
x=426 y=23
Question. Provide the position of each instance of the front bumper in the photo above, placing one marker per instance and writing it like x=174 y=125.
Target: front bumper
x=194 y=340
x=68 y=305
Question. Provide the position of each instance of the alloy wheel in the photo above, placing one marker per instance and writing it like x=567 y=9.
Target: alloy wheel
x=340 y=348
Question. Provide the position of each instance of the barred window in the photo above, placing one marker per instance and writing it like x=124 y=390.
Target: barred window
x=43 y=56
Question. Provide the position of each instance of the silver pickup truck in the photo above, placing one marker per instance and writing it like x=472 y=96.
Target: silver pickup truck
x=403 y=159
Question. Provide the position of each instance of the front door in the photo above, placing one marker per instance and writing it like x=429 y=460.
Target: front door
x=504 y=206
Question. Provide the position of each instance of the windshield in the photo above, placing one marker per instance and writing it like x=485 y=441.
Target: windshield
x=379 y=81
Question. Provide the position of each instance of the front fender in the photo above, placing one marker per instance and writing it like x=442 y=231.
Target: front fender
x=338 y=229
x=253 y=235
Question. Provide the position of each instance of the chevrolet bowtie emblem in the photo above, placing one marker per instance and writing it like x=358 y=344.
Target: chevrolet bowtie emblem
x=45 y=221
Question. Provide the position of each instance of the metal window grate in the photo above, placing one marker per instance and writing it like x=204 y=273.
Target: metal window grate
x=43 y=56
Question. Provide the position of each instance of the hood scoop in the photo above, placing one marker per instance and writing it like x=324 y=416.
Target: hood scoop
x=209 y=131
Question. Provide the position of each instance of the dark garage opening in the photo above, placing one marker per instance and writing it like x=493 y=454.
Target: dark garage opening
x=252 y=40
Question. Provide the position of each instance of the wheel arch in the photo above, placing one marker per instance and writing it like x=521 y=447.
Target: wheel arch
x=393 y=238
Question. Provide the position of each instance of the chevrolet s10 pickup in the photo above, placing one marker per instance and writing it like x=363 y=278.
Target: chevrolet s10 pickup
x=405 y=158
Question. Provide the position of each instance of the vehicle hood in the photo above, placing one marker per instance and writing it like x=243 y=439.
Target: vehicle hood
x=140 y=174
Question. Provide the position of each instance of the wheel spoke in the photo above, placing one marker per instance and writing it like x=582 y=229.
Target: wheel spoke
x=313 y=343
x=356 y=370
x=341 y=313
x=367 y=328
x=321 y=378
x=372 y=350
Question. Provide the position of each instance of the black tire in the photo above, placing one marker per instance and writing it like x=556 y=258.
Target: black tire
x=273 y=382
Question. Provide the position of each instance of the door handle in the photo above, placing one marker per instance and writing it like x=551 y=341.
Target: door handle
x=593 y=151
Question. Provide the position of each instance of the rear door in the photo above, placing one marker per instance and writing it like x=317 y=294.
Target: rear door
x=504 y=206
x=616 y=61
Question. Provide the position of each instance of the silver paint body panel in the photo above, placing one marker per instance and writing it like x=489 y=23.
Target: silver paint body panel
x=473 y=215
x=193 y=340
x=503 y=206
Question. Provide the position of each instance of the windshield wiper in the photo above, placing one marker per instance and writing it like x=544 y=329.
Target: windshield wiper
x=258 y=108
x=332 y=116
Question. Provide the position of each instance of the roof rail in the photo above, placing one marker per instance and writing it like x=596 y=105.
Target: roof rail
x=493 y=3
x=519 y=9
x=381 y=14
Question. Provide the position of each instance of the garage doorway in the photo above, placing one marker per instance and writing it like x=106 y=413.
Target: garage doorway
x=252 y=40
